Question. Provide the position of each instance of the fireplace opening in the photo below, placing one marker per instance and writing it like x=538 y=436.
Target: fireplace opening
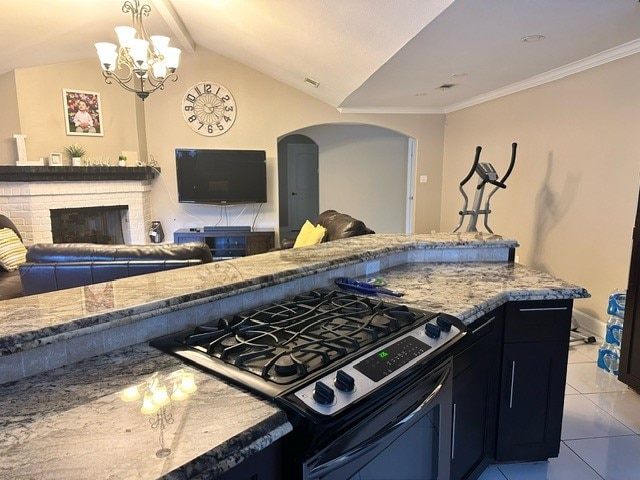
x=89 y=224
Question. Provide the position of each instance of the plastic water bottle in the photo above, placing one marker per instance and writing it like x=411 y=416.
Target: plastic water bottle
x=609 y=357
x=617 y=301
x=609 y=351
x=614 y=330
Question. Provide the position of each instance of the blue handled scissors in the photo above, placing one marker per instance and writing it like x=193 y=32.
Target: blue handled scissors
x=366 y=288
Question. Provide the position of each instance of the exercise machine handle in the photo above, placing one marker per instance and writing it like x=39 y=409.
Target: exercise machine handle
x=473 y=167
x=514 y=147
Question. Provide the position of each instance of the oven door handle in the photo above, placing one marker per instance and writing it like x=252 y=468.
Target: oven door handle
x=371 y=444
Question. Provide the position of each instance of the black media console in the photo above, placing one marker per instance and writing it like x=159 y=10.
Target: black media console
x=228 y=242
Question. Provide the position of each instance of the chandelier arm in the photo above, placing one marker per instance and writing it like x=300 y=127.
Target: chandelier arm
x=109 y=78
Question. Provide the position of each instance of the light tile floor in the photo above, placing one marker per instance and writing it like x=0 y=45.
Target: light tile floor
x=600 y=428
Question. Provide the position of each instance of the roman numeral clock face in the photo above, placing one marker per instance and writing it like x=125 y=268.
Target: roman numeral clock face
x=209 y=109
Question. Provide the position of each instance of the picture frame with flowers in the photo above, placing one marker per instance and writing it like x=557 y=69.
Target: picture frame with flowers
x=83 y=113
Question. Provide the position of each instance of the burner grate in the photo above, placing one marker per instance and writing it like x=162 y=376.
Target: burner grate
x=283 y=342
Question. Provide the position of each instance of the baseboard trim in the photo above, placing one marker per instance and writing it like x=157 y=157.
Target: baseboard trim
x=586 y=322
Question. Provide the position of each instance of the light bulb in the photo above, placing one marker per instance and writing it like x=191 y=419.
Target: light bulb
x=160 y=396
x=138 y=51
x=148 y=407
x=125 y=36
x=107 y=54
x=130 y=394
x=172 y=58
x=160 y=43
x=188 y=383
x=178 y=394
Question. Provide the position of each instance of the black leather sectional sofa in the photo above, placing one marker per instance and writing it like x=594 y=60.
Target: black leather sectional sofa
x=64 y=265
x=338 y=225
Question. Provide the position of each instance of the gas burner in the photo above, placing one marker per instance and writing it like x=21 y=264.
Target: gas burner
x=284 y=342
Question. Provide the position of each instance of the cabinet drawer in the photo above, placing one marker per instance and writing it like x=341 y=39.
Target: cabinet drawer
x=534 y=321
x=483 y=338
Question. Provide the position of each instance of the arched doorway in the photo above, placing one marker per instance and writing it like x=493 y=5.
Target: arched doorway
x=363 y=170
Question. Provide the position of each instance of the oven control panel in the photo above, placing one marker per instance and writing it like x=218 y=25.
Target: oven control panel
x=336 y=390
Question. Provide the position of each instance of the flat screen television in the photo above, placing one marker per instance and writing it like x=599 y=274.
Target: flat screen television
x=221 y=176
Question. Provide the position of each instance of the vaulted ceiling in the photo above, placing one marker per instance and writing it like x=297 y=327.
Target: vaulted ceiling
x=412 y=56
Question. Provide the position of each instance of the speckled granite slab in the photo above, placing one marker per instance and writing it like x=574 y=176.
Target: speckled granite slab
x=470 y=290
x=70 y=423
x=31 y=322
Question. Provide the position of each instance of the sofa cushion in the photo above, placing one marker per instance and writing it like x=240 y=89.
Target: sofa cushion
x=309 y=235
x=93 y=252
x=6 y=223
x=12 y=251
x=10 y=285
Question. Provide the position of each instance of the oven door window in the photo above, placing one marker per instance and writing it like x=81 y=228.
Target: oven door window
x=408 y=439
x=412 y=456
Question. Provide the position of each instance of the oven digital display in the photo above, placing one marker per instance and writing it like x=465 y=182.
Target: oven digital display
x=390 y=359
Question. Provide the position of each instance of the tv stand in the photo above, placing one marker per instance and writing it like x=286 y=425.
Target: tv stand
x=228 y=242
x=226 y=229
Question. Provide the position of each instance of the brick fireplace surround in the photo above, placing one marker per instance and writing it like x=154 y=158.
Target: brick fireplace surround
x=27 y=194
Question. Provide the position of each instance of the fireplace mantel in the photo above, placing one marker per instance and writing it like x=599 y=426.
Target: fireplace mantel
x=12 y=173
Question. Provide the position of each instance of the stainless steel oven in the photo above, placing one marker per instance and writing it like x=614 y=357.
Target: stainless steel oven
x=366 y=383
x=406 y=438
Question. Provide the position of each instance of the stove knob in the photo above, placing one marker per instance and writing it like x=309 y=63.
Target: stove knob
x=323 y=394
x=344 y=382
x=432 y=330
x=444 y=323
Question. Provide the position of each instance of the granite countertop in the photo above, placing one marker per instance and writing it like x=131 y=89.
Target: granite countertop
x=30 y=322
x=71 y=423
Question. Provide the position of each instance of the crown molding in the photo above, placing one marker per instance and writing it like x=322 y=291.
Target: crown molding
x=391 y=110
x=613 y=54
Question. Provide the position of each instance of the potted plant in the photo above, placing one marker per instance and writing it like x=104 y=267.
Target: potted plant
x=122 y=160
x=75 y=153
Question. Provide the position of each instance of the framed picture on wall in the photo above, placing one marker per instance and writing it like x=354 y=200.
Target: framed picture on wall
x=83 y=113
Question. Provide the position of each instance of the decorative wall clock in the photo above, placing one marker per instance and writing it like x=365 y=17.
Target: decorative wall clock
x=209 y=109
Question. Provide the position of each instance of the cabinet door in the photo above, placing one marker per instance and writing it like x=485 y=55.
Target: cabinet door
x=185 y=237
x=263 y=465
x=531 y=400
x=475 y=391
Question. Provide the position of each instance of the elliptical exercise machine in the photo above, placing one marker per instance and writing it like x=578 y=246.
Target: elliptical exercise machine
x=487 y=174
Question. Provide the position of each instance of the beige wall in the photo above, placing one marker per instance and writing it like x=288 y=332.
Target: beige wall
x=571 y=199
x=266 y=110
x=42 y=117
x=9 y=119
x=365 y=168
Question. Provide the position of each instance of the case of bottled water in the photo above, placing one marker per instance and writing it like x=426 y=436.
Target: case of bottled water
x=609 y=351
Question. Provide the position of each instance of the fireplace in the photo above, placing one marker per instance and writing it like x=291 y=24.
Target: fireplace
x=29 y=203
x=102 y=225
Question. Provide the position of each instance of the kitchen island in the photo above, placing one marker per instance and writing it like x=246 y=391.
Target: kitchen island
x=68 y=356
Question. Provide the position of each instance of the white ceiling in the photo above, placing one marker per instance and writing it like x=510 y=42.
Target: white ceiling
x=368 y=55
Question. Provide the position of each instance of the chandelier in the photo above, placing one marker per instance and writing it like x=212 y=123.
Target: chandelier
x=141 y=64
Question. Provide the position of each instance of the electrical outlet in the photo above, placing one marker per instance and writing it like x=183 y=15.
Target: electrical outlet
x=423 y=179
